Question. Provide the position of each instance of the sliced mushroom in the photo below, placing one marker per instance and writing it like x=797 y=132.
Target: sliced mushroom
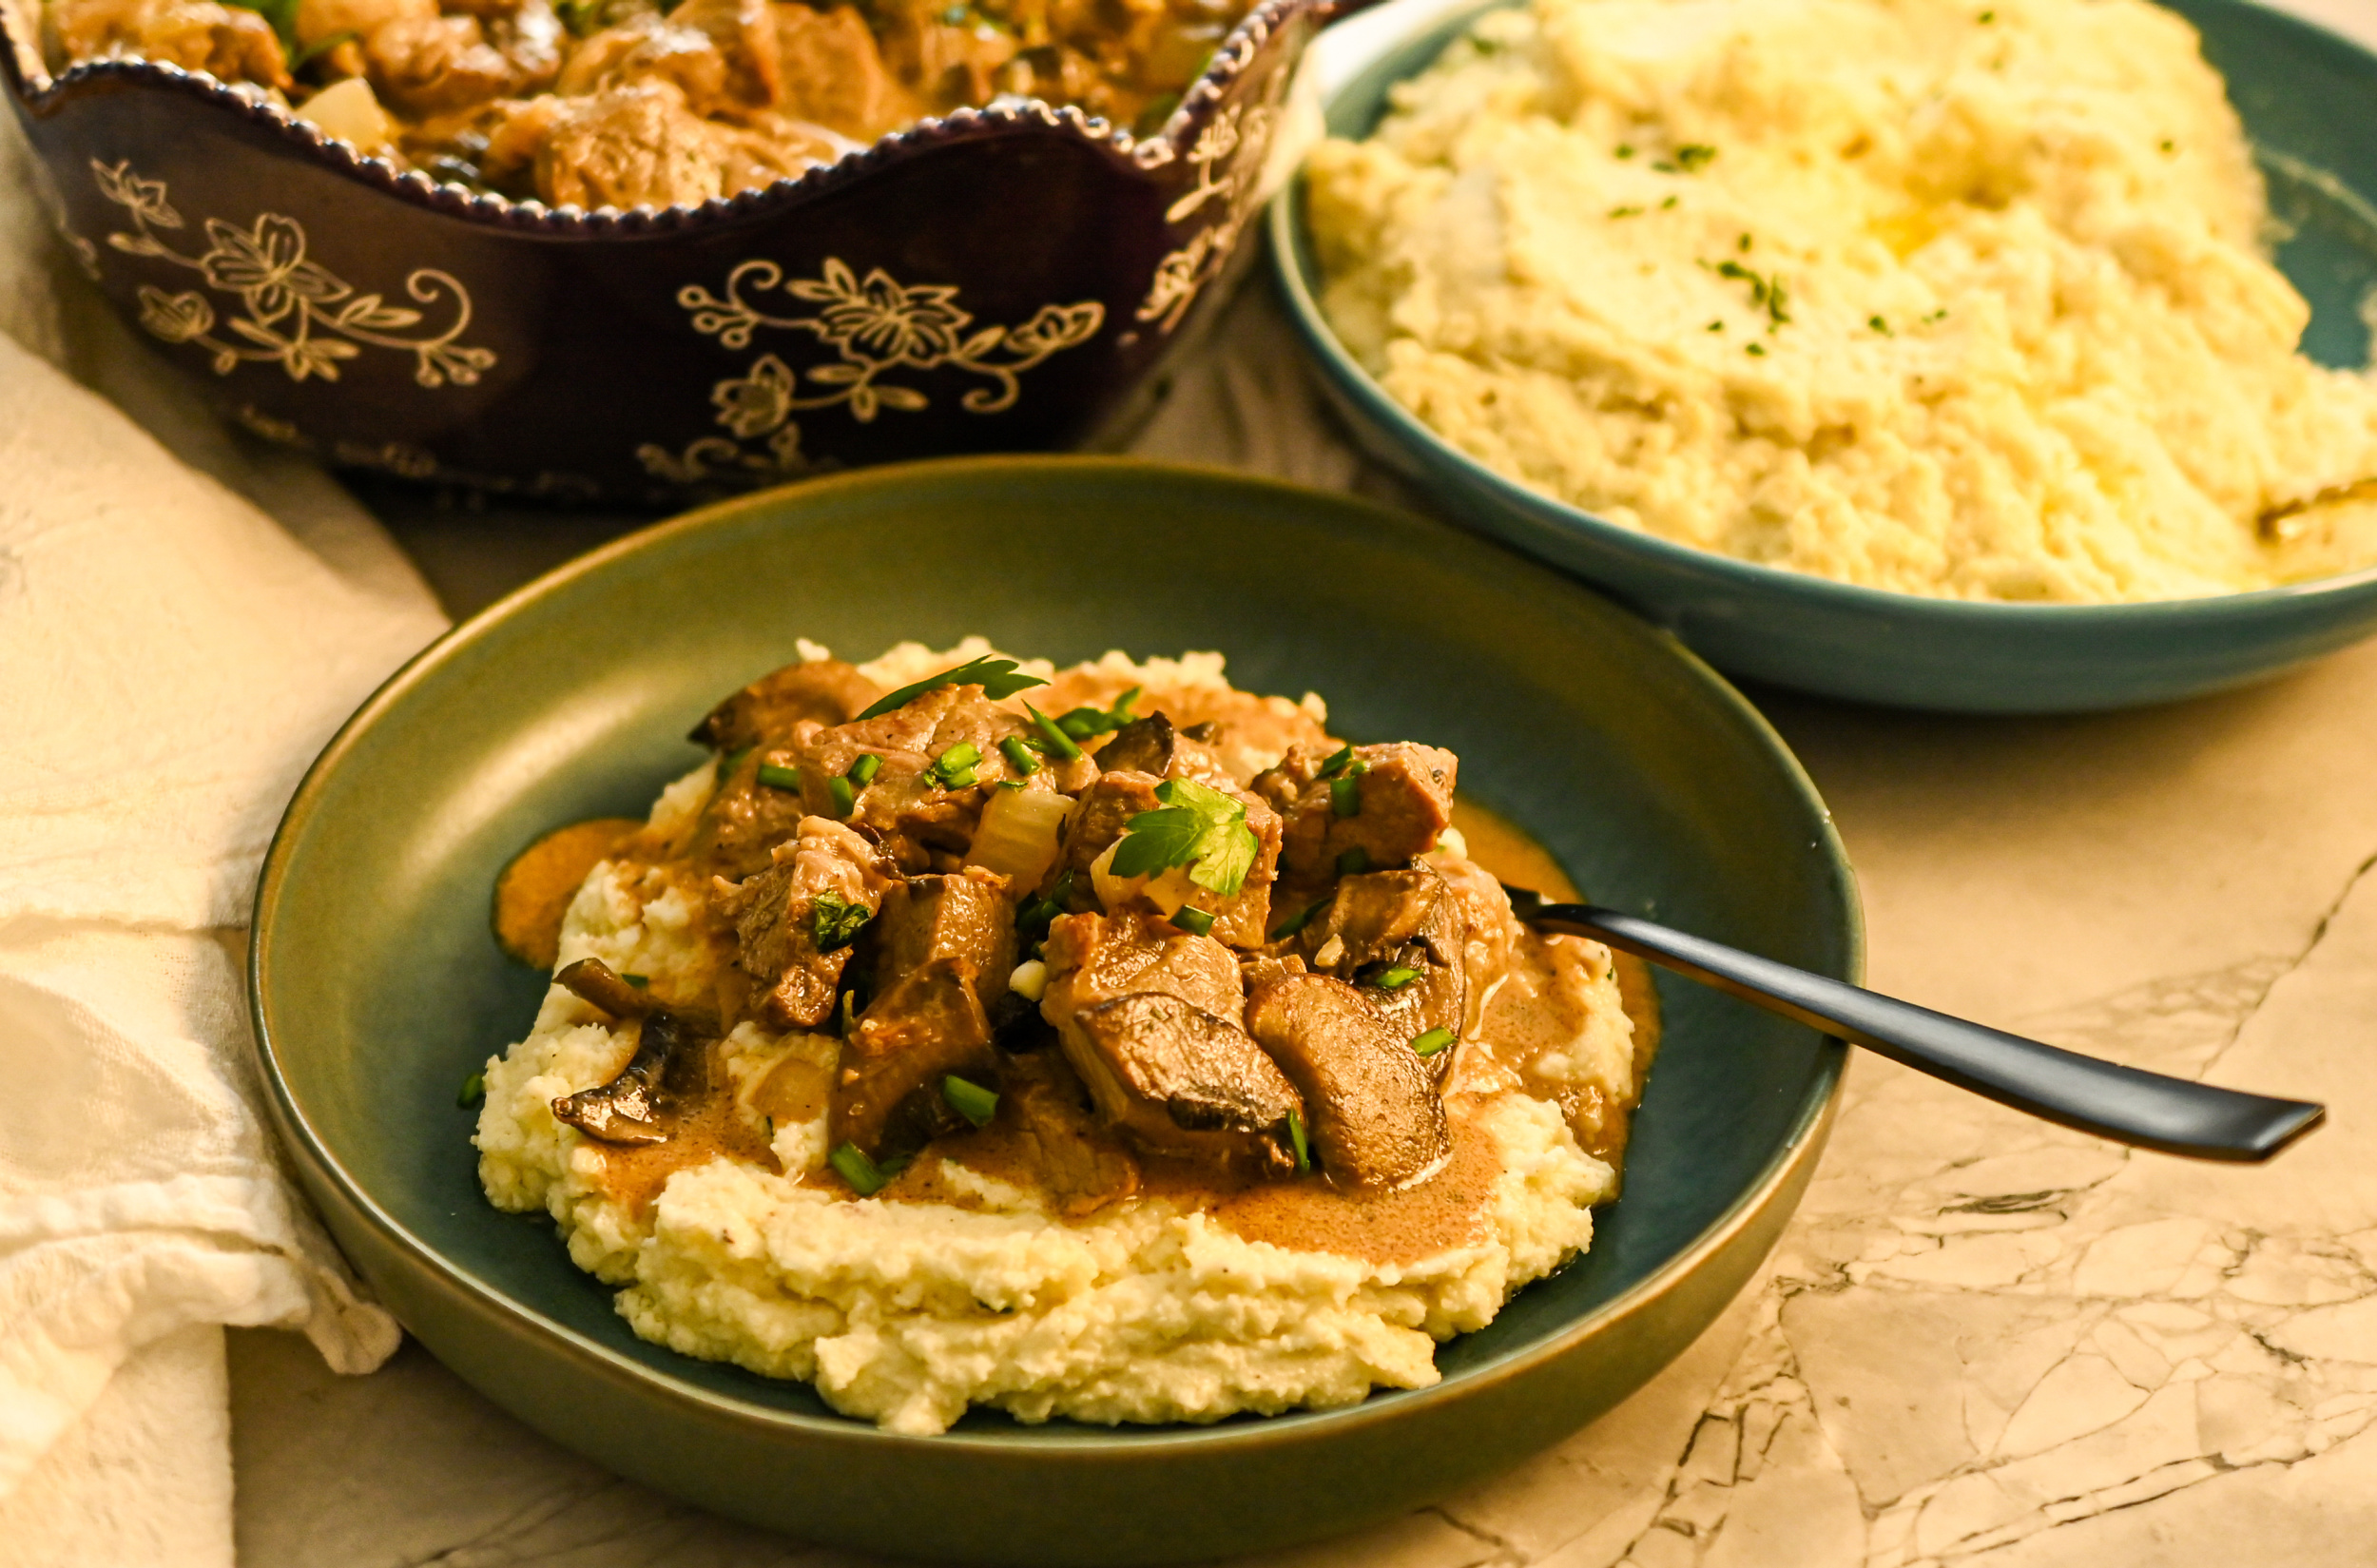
x=1151 y=745
x=1398 y=935
x=1184 y=1083
x=1371 y=1104
x=662 y=1083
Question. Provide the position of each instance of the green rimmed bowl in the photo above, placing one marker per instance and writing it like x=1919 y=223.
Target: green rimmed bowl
x=2305 y=96
x=377 y=986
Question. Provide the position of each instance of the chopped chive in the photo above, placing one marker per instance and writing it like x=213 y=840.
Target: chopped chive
x=1396 y=978
x=955 y=767
x=474 y=1090
x=1059 y=743
x=849 y=1013
x=862 y=771
x=1354 y=861
x=1303 y=917
x=846 y=800
x=970 y=1100
x=1336 y=762
x=1624 y=151
x=1433 y=1041
x=1296 y=1137
x=776 y=776
x=1019 y=756
x=639 y=982
x=1879 y=325
x=1742 y=244
x=1759 y=350
x=866 y=1177
x=730 y=761
x=1009 y=784
x=1668 y=202
x=1694 y=156
x=1193 y=921
x=1346 y=790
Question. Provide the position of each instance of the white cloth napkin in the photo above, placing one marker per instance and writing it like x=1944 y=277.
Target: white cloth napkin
x=170 y=659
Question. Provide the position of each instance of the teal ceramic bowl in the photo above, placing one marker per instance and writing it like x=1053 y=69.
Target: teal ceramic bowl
x=2308 y=100
x=376 y=987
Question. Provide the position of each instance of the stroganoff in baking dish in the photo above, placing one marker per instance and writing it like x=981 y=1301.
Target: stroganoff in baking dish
x=1105 y=1043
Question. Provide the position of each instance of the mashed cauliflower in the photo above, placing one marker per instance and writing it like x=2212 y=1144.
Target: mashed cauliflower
x=1959 y=298
x=907 y=1312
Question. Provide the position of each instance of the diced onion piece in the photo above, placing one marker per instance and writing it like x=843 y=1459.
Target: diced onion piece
x=1030 y=980
x=1450 y=842
x=349 y=111
x=1018 y=835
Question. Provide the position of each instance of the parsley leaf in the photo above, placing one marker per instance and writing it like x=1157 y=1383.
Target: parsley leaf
x=996 y=677
x=835 y=921
x=1199 y=827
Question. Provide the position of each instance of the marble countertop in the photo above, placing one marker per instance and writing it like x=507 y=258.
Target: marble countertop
x=1985 y=1341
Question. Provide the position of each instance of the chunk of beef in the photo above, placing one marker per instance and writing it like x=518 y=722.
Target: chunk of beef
x=828 y=690
x=1402 y=796
x=1093 y=958
x=1151 y=745
x=1401 y=937
x=1375 y=1116
x=943 y=949
x=228 y=42
x=833 y=74
x=798 y=920
x=430 y=62
x=923 y=820
x=1077 y=1157
x=1105 y=814
x=628 y=146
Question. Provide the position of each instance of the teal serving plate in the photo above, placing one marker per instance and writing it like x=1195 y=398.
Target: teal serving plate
x=376 y=987
x=2308 y=100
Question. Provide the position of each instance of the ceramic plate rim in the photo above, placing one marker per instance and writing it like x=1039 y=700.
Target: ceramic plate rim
x=1806 y=1131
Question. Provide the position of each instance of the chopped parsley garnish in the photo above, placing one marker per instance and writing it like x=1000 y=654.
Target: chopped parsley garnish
x=970 y=1100
x=953 y=769
x=866 y=1177
x=1433 y=1041
x=1193 y=921
x=835 y=921
x=1768 y=294
x=1624 y=150
x=1199 y=827
x=1354 y=861
x=1296 y=1137
x=1346 y=790
x=1757 y=351
x=1303 y=917
x=1879 y=326
x=1018 y=757
x=1987 y=17
x=1743 y=244
x=1082 y=723
x=996 y=677
x=1396 y=978
x=474 y=1090
x=1668 y=202
x=844 y=798
x=1052 y=737
x=1716 y=326
x=776 y=776
x=1694 y=156
x=1940 y=315
x=863 y=769
x=1626 y=212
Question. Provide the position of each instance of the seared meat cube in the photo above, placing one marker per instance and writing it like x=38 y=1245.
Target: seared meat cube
x=1146 y=1014
x=833 y=74
x=1075 y=1157
x=230 y=42
x=798 y=919
x=826 y=691
x=1401 y=797
x=943 y=949
x=1400 y=936
x=1107 y=809
x=1151 y=745
x=1376 y=1120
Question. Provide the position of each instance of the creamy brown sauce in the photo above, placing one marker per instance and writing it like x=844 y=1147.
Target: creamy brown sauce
x=1402 y=1226
x=533 y=892
x=716 y=1129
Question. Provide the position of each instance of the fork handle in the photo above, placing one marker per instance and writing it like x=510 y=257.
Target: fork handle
x=2128 y=1105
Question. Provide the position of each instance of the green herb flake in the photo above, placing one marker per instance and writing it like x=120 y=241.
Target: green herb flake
x=835 y=921
x=1396 y=978
x=996 y=677
x=1303 y=917
x=474 y=1090
x=844 y=798
x=2169 y=145
x=1345 y=791
x=1626 y=212
x=776 y=776
x=861 y=772
x=1354 y=861
x=1879 y=326
x=866 y=1177
x=1666 y=205
x=1716 y=326
x=730 y=761
x=1296 y=1139
x=1053 y=738
x=1432 y=1042
x=1193 y=921
x=970 y=1099
x=641 y=982
x=1082 y=723
x=953 y=769
x=1338 y=762
x=1743 y=244
x=1757 y=351
x=1198 y=826
x=1018 y=757
x=1624 y=150
x=1987 y=17
x=1694 y=156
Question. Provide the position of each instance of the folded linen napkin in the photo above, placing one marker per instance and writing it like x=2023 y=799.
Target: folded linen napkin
x=173 y=659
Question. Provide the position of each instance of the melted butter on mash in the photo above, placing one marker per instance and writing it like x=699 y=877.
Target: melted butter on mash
x=1941 y=296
